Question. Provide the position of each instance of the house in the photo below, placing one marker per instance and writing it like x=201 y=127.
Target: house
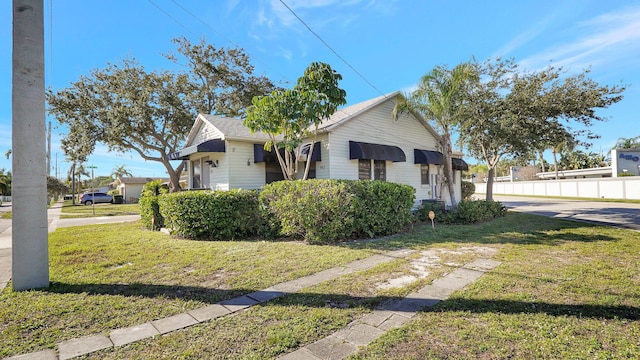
x=361 y=141
x=131 y=187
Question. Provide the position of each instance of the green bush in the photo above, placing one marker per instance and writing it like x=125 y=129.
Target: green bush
x=382 y=207
x=468 y=189
x=212 y=215
x=149 y=207
x=467 y=212
x=326 y=211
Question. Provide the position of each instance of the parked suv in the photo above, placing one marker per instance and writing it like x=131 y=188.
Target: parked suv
x=99 y=197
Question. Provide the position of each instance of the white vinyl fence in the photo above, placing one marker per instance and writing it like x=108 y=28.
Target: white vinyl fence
x=627 y=187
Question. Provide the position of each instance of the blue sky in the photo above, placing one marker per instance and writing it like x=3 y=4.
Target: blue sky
x=392 y=43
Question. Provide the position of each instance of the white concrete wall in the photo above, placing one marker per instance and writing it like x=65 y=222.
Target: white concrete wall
x=627 y=187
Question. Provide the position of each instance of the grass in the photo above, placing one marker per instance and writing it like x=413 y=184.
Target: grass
x=70 y=211
x=564 y=290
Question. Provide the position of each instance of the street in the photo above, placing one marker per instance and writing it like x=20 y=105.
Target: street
x=622 y=215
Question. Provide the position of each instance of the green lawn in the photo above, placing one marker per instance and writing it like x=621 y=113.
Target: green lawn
x=564 y=290
x=70 y=211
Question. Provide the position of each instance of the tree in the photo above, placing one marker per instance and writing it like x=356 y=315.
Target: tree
x=627 y=143
x=56 y=187
x=514 y=112
x=438 y=98
x=120 y=170
x=131 y=109
x=289 y=116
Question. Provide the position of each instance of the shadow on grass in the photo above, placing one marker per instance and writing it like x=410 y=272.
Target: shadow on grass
x=524 y=307
x=195 y=293
x=514 y=228
x=244 y=297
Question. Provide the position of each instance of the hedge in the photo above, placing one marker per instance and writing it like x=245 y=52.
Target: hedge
x=325 y=211
x=212 y=215
x=467 y=212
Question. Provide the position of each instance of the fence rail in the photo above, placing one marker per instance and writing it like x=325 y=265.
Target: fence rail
x=605 y=188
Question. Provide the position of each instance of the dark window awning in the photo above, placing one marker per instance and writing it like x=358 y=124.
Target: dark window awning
x=360 y=150
x=459 y=164
x=262 y=155
x=427 y=157
x=215 y=145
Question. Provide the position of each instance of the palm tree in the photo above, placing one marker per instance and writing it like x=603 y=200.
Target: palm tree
x=627 y=143
x=438 y=98
x=120 y=170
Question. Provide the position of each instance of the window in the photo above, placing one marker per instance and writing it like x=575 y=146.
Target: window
x=364 y=169
x=312 y=170
x=380 y=170
x=195 y=174
x=273 y=172
x=424 y=174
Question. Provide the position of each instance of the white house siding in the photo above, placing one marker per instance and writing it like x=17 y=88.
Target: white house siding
x=322 y=167
x=219 y=175
x=242 y=176
x=205 y=132
x=376 y=126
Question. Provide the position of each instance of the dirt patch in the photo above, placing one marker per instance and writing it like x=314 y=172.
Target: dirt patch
x=436 y=258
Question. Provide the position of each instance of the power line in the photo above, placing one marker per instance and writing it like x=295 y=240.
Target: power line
x=229 y=40
x=332 y=50
x=171 y=17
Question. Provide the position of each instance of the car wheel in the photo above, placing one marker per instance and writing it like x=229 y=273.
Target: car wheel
x=88 y=202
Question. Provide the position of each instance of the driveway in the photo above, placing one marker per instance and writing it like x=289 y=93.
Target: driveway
x=622 y=215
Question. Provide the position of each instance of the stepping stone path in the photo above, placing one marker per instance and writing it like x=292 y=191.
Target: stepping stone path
x=339 y=345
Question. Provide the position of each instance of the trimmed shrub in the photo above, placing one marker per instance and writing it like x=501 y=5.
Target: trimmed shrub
x=382 y=207
x=149 y=208
x=324 y=211
x=317 y=210
x=467 y=212
x=473 y=211
x=468 y=189
x=212 y=215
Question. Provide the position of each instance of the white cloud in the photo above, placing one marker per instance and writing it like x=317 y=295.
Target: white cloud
x=607 y=39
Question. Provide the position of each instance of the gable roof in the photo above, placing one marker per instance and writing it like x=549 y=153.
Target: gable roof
x=224 y=128
x=341 y=116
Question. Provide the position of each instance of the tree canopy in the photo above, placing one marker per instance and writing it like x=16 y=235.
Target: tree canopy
x=289 y=116
x=129 y=108
x=438 y=98
x=511 y=112
x=627 y=143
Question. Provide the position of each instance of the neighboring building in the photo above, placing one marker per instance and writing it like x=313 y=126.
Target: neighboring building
x=625 y=162
x=131 y=187
x=358 y=142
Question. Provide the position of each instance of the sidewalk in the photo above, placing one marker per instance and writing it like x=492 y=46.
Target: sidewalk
x=54 y=221
x=339 y=345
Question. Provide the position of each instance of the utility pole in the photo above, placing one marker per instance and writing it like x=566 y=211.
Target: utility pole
x=30 y=248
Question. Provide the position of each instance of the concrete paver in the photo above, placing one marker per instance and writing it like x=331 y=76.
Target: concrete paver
x=40 y=355
x=84 y=345
x=331 y=348
x=173 y=323
x=359 y=334
x=301 y=354
x=209 y=312
x=131 y=334
x=239 y=303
